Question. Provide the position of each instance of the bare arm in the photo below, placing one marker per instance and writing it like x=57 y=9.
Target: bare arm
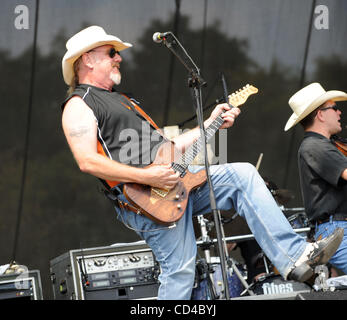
x=344 y=174
x=80 y=129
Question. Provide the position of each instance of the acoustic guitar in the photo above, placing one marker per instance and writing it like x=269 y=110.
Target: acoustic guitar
x=168 y=206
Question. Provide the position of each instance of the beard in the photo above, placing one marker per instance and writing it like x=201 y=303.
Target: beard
x=116 y=78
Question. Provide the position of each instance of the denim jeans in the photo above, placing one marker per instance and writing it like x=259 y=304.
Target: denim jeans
x=236 y=185
x=339 y=259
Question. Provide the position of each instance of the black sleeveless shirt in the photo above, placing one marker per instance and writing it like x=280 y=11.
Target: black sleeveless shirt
x=123 y=133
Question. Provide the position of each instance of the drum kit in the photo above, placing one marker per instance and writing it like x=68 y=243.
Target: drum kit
x=253 y=278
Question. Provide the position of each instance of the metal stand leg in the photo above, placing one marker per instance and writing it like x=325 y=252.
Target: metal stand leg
x=239 y=275
x=206 y=244
x=206 y=248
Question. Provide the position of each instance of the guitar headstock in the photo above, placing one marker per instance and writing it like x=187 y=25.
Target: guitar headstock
x=240 y=97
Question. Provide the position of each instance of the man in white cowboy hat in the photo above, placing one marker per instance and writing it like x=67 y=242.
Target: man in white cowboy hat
x=322 y=167
x=95 y=120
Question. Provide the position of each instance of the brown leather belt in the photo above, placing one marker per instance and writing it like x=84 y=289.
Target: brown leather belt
x=113 y=196
x=335 y=217
x=127 y=206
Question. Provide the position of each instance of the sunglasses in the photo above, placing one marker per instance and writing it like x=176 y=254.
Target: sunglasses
x=335 y=108
x=111 y=53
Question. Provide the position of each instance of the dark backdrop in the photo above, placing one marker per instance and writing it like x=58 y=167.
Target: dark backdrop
x=48 y=207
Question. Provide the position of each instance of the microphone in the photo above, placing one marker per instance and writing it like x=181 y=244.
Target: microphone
x=159 y=37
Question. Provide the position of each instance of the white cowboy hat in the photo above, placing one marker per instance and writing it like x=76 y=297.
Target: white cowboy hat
x=84 y=41
x=308 y=99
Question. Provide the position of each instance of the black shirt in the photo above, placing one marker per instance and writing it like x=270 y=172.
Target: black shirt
x=320 y=167
x=125 y=135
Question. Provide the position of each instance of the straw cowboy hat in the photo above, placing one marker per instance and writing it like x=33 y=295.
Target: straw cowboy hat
x=84 y=41
x=308 y=99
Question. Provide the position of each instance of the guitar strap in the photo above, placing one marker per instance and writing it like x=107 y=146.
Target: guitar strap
x=142 y=113
x=112 y=184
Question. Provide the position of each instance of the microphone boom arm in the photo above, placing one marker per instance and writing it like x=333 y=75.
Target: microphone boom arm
x=170 y=41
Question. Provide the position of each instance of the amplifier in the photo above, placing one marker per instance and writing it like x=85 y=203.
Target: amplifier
x=117 y=272
x=24 y=286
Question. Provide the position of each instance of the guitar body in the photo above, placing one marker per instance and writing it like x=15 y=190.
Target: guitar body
x=164 y=206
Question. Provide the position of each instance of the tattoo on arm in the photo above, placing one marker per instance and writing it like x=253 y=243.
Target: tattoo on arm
x=78 y=132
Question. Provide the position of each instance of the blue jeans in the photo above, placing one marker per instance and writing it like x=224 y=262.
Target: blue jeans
x=236 y=185
x=339 y=259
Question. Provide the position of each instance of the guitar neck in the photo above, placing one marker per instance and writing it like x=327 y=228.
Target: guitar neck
x=187 y=158
x=236 y=99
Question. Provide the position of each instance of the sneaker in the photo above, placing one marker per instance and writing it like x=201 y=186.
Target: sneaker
x=316 y=253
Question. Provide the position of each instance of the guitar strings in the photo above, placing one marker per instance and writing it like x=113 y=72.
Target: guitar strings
x=188 y=157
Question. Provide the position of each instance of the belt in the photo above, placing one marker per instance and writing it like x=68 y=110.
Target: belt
x=127 y=206
x=334 y=217
x=113 y=196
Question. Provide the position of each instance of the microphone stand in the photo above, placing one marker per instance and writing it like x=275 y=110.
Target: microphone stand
x=195 y=83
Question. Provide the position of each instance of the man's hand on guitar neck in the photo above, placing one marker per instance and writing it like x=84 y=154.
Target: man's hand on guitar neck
x=229 y=115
